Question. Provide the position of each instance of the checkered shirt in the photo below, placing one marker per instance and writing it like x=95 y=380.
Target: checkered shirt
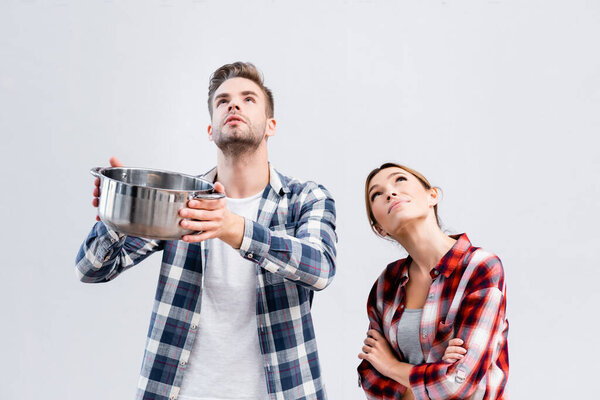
x=473 y=311
x=292 y=244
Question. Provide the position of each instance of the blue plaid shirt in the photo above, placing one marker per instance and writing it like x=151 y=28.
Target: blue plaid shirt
x=292 y=244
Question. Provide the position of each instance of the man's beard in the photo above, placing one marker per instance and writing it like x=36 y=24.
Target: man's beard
x=236 y=144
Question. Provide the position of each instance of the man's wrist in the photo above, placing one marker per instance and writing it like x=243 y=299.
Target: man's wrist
x=234 y=233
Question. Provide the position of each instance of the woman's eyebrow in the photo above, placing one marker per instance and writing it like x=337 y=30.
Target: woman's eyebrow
x=395 y=173
x=373 y=187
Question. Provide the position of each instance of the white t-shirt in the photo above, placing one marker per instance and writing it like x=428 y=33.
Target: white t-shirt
x=225 y=361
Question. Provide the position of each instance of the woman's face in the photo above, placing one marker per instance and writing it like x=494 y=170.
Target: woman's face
x=398 y=198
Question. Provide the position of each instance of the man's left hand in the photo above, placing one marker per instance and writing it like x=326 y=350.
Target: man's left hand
x=212 y=219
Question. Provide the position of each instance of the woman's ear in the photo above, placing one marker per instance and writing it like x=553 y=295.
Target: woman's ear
x=434 y=196
x=380 y=230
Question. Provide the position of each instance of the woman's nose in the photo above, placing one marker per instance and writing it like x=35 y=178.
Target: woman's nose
x=391 y=194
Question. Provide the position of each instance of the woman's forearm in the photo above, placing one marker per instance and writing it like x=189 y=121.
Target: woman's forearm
x=400 y=372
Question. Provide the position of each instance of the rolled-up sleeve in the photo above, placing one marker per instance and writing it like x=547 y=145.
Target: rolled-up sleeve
x=105 y=254
x=306 y=257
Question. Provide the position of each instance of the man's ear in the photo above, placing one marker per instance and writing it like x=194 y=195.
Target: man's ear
x=270 y=127
x=209 y=130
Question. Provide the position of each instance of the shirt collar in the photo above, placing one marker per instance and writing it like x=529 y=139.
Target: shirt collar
x=275 y=180
x=447 y=263
x=454 y=257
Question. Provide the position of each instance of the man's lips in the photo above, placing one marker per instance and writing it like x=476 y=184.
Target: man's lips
x=234 y=119
x=396 y=204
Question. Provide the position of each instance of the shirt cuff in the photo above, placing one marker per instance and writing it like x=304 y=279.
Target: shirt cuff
x=256 y=241
x=109 y=239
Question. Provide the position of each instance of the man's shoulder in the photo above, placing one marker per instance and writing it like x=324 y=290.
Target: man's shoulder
x=297 y=186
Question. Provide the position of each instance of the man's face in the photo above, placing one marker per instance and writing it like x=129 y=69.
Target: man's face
x=239 y=120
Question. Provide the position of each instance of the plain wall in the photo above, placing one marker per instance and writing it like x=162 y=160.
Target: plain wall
x=495 y=101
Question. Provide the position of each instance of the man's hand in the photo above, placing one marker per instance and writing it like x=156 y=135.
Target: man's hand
x=113 y=163
x=212 y=219
x=378 y=352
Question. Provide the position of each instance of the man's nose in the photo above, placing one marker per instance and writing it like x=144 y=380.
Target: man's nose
x=233 y=106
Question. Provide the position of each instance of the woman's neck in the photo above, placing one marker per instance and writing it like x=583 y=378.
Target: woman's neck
x=425 y=243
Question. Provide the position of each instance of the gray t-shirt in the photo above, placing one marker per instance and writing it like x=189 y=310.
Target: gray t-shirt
x=408 y=336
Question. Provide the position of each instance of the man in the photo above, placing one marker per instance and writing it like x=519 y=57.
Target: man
x=231 y=318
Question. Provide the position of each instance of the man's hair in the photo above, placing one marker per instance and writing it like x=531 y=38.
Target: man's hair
x=239 y=70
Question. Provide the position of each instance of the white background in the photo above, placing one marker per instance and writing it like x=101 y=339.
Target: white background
x=495 y=101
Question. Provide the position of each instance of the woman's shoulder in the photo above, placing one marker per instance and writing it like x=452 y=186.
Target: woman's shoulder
x=391 y=274
x=487 y=268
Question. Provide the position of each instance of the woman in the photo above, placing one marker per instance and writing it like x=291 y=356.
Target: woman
x=444 y=289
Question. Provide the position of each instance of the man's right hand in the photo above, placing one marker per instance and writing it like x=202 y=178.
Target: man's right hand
x=113 y=163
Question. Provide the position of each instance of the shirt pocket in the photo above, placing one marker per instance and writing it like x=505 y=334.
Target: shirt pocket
x=289 y=229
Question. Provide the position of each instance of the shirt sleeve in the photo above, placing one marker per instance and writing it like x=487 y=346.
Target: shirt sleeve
x=375 y=385
x=308 y=256
x=105 y=254
x=480 y=318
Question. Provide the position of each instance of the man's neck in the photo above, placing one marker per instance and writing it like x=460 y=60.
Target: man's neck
x=245 y=175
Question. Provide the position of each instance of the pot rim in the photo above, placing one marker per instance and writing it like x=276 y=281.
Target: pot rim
x=99 y=172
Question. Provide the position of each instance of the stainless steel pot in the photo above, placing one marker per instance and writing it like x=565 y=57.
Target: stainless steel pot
x=146 y=202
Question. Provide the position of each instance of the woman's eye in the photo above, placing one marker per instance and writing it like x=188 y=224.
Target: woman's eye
x=374 y=195
x=400 y=178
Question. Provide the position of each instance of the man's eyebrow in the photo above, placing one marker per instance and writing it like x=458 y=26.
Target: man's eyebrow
x=249 y=92
x=221 y=95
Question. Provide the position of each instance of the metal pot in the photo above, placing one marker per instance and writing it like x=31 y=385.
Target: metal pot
x=146 y=202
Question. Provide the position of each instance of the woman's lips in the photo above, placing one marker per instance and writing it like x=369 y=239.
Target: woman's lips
x=396 y=204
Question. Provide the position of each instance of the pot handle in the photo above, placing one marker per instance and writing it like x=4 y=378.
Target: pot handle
x=96 y=172
x=207 y=196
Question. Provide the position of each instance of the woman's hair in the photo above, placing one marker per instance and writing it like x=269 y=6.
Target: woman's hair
x=411 y=171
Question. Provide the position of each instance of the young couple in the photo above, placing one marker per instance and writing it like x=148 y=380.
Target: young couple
x=231 y=317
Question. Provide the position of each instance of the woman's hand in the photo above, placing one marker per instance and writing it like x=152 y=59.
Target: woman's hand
x=378 y=352
x=408 y=395
x=454 y=352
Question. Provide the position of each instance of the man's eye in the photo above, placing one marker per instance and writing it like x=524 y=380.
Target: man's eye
x=250 y=99
x=221 y=102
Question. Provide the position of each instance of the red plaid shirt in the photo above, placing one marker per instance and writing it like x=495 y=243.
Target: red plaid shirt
x=479 y=320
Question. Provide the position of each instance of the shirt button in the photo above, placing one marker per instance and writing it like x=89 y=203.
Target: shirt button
x=430 y=296
x=436 y=272
x=182 y=363
x=250 y=255
x=401 y=305
x=194 y=326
